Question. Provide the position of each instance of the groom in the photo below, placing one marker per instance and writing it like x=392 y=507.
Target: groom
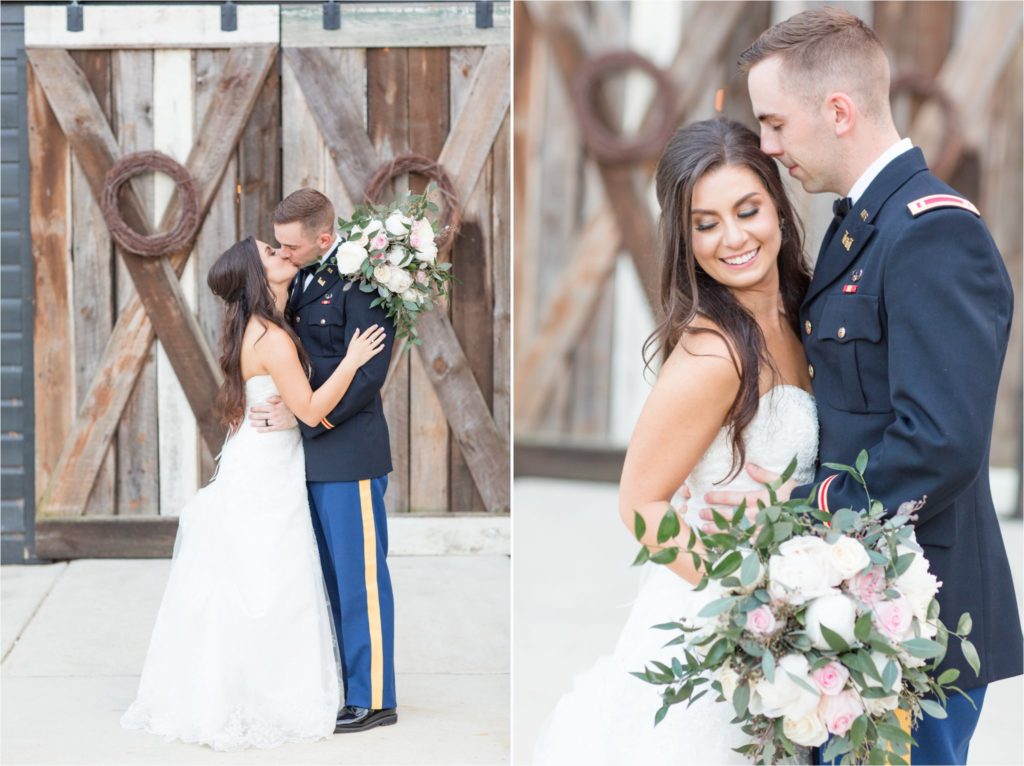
x=905 y=326
x=348 y=457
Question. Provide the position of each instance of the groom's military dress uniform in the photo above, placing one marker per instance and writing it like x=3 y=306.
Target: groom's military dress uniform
x=348 y=457
x=905 y=327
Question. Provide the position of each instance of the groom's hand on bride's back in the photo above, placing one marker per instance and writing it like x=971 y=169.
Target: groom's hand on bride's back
x=271 y=415
x=733 y=499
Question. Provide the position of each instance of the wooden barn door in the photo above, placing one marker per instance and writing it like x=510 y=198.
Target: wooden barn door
x=425 y=80
x=125 y=430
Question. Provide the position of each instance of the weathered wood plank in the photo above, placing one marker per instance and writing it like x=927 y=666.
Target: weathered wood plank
x=219 y=229
x=99 y=537
x=501 y=273
x=429 y=459
x=173 y=107
x=386 y=25
x=129 y=344
x=486 y=451
x=472 y=133
x=339 y=120
x=302 y=146
x=53 y=329
x=387 y=104
x=259 y=163
x=161 y=26
x=348 y=67
x=582 y=462
x=472 y=298
x=91 y=256
x=138 y=465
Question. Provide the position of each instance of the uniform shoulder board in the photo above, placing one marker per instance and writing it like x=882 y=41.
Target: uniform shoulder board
x=936 y=201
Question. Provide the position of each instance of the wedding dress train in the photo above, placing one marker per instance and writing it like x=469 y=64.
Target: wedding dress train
x=608 y=717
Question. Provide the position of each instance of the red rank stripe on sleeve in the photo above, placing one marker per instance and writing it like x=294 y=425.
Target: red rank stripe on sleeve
x=823 y=493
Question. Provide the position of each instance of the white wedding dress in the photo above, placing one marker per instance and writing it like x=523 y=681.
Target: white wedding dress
x=608 y=717
x=242 y=653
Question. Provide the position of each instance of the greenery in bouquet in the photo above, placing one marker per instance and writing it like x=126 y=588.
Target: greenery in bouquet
x=817 y=625
x=391 y=250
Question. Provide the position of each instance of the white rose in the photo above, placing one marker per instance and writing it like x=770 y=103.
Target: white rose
x=917 y=583
x=880 y=706
x=808 y=731
x=421 y=234
x=848 y=556
x=427 y=253
x=382 y=273
x=351 y=256
x=729 y=679
x=836 y=612
x=802 y=570
x=785 y=697
x=373 y=227
x=398 y=255
x=397 y=224
x=399 y=280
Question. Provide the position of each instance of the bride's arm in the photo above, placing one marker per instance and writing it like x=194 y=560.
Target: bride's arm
x=682 y=416
x=277 y=352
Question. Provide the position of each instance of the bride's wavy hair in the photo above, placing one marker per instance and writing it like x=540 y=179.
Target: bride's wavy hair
x=688 y=292
x=238 y=278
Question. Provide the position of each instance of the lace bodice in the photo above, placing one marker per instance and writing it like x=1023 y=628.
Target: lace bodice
x=785 y=425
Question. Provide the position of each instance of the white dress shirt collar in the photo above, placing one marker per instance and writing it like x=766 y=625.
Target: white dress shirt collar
x=876 y=167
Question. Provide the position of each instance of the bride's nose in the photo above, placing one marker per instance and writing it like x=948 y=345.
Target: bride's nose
x=733 y=234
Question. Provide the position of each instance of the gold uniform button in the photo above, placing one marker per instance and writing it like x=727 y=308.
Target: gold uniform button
x=810 y=371
x=841 y=333
x=807 y=326
x=323 y=321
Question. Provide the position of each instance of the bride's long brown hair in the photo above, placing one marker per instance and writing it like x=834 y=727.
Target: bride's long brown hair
x=238 y=278
x=688 y=292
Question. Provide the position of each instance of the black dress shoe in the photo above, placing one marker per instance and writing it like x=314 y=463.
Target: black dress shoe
x=352 y=718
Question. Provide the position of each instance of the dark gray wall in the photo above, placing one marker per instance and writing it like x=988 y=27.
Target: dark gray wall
x=17 y=442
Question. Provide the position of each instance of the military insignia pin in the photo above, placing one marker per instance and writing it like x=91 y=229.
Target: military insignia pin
x=321 y=282
x=326 y=301
x=847 y=241
x=855 y=276
x=863 y=215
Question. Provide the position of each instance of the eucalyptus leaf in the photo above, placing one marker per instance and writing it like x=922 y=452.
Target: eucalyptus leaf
x=932 y=708
x=834 y=640
x=768 y=666
x=665 y=556
x=717 y=607
x=639 y=525
x=971 y=655
x=741 y=699
x=862 y=461
x=642 y=556
x=964 y=625
x=669 y=526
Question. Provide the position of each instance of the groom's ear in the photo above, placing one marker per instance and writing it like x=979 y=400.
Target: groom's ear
x=842 y=112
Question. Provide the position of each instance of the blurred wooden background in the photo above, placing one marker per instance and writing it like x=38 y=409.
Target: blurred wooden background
x=581 y=314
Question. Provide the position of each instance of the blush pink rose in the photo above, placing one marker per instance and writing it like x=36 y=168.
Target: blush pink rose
x=379 y=242
x=830 y=679
x=893 y=618
x=761 y=621
x=869 y=586
x=840 y=711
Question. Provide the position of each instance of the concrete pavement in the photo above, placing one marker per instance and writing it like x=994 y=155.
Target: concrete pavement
x=75 y=635
x=573 y=592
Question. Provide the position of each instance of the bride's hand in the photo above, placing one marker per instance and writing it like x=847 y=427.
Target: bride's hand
x=365 y=345
x=733 y=499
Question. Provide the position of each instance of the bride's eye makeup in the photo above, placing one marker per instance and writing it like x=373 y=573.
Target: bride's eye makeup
x=749 y=213
x=704 y=225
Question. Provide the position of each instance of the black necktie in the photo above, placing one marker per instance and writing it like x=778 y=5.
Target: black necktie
x=840 y=208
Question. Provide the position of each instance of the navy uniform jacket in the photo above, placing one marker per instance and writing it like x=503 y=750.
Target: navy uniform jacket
x=905 y=326
x=351 y=442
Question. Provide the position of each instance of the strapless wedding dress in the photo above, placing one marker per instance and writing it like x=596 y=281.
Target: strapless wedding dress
x=608 y=717
x=242 y=653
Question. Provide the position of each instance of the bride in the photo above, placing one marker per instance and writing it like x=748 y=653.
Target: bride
x=242 y=653
x=733 y=388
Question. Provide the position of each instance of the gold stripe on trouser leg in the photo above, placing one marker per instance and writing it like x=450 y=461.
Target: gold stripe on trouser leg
x=372 y=597
x=903 y=716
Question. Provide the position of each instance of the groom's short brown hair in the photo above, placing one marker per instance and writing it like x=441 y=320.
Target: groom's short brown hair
x=308 y=206
x=824 y=49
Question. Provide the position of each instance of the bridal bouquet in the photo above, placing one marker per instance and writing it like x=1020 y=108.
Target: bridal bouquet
x=391 y=250
x=822 y=624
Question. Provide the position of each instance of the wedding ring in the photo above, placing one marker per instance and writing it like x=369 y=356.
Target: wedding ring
x=266 y=423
